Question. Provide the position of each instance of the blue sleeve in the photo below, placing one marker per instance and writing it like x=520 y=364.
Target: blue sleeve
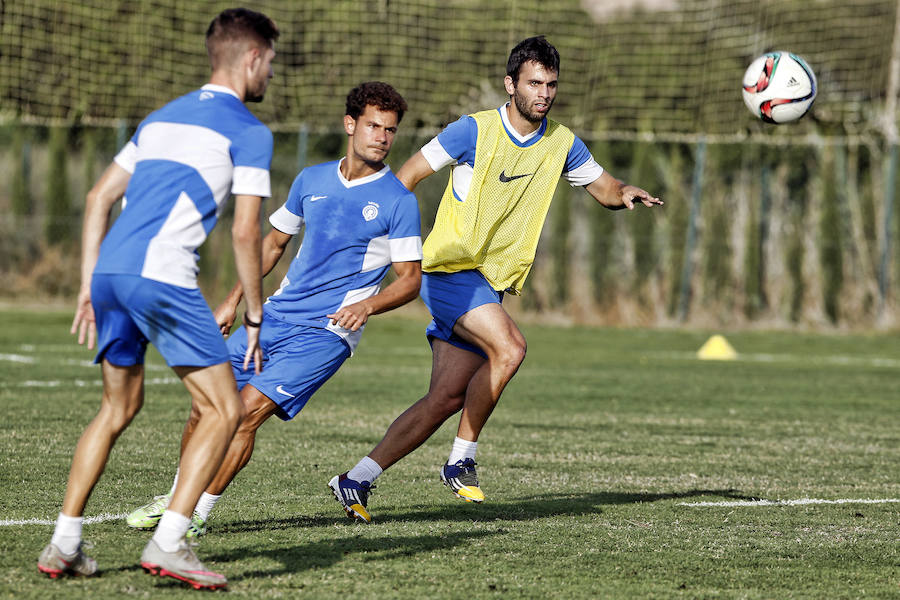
x=578 y=155
x=253 y=148
x=458 y=139
x=134 y=137
x=294 y=202
x=405 y=222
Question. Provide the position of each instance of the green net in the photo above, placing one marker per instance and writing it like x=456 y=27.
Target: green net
x=629 y=67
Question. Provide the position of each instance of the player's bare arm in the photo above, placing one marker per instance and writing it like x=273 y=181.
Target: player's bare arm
x=245 y=238
x=402 y=290
x=615 y=194
x=105 y=193
x=414 y=170
x=273 y=246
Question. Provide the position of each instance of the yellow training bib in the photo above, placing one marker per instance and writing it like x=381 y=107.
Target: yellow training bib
x=496 y=228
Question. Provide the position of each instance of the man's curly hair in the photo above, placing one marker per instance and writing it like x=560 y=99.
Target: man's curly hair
x=378 y=94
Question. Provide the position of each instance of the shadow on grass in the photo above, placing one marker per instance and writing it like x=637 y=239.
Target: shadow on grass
x=317 y=555
x=322 y=554
x=541 y=506
x=520 y=509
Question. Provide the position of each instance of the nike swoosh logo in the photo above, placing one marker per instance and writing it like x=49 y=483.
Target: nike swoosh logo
x=314 y=198
x=504 y=178
x=280 y=390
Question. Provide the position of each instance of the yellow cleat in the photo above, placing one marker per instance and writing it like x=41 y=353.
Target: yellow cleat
x=462 y=480
x=352 y=496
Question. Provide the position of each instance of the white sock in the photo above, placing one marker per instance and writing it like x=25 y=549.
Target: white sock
x=170 y=531
x=462 y=449
x=67 y=534
x=174 y=483
x=365 y=470
x=206 y=504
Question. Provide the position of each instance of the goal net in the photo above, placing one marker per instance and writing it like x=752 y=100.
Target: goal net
x=629 y=67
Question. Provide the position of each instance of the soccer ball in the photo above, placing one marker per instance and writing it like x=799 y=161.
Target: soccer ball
x=779 y=87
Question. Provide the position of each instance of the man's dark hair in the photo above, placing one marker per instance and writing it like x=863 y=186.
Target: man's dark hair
x=235 y=24
x=378 y=94
x=536 y=49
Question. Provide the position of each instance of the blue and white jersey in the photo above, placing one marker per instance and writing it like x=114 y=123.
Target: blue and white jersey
x=184 y=160
x=455 y=145
x=354 y=231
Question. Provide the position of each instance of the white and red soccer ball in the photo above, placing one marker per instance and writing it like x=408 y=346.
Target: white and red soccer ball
x=779 y=87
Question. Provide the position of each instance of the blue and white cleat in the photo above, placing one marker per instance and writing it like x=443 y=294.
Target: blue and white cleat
x=462 y=480
x=352 y=496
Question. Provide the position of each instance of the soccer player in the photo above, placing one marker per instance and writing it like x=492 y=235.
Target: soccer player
x=360 y=220
x=506 y=164
x=139 y=283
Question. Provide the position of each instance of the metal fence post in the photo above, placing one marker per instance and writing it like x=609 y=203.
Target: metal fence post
x=687 y=270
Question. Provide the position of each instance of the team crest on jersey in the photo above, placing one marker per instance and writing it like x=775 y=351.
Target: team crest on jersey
x=370 y=211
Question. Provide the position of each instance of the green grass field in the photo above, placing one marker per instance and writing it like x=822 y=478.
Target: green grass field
x=591 y=464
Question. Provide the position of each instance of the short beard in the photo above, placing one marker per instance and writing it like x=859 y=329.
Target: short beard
x=528 y=115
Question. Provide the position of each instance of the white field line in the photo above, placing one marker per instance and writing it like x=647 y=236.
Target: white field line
x=87 y=520
x=798 y=502
x=55 y=383
x=18 y=358
x=78 y=362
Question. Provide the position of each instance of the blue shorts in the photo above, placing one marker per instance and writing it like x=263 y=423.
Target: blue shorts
x=449 y=296
x=131 y=310
x=297 y=360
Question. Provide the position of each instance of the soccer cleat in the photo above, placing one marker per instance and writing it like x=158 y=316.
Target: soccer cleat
x=54 y=563
x=197 y=527
x=181 y=564
x=147 y=516
x=462 y=480
x=352 y=495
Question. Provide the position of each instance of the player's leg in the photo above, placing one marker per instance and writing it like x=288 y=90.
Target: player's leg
x=468 y=315
x=123 y=396
x=119 y=342
x=448 y=296
x=179 y=323
x=147 y=516
x=298 y=360
x=492 y=329
x=452 y=367
x=451 y=371
x=258 y=408
x=219 y=410
x=216 y=401
x=121 y=400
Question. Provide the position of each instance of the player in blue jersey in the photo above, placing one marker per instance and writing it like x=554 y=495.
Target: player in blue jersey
x=139 y=283
x=359 y=221
x=506 y=165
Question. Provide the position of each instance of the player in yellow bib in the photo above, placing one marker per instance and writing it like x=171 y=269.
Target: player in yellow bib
x=506 y=163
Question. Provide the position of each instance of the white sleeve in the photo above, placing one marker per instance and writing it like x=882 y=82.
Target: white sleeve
x=285 y=221
x=127 y=157
x=587 y=173
x=251 y=181
x=436 y=156
x=406 y=249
